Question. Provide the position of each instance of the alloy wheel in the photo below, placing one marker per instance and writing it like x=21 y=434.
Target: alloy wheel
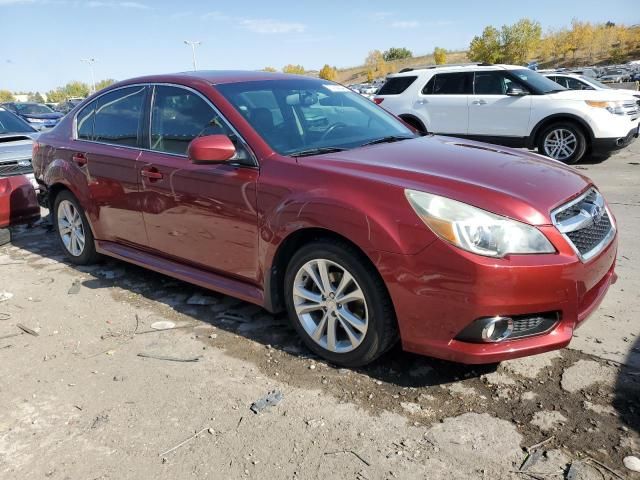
x=330 y=305
x=71 y=228
x=560 y=144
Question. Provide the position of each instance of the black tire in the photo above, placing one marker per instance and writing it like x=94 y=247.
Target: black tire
x=382 y=331
x=578 y=150
x=88 y=255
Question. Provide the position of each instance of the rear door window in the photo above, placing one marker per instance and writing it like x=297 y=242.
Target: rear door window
x=396 y=85
x=118 y=116
x=458 y=83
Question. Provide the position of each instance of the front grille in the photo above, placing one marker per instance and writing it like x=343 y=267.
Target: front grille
x=574 y=209
x=586 y=223
x=586 y=239
x=15 y=168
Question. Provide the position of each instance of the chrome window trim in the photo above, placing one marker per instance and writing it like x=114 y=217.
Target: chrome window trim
x=154 y=84
x=603 y=243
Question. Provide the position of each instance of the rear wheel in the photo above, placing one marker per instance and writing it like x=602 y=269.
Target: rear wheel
x=338 y=304
x=73 y=230
x=563 y=141
x=415 y=123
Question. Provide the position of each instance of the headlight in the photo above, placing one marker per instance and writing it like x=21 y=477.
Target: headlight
x=612 y=107
x=35 y=120
x=476 y=230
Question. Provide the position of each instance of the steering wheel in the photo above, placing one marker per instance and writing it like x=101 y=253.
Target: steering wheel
x=332 y=129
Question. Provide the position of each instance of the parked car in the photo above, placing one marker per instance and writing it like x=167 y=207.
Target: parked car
x=295 y=193
x=68 y=105
x=580 y=82
x=37 y=115
x=18 y=203
x=615 y=76
x=513 y=106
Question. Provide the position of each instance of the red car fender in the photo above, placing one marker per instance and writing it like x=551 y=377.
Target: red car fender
x=18 y=202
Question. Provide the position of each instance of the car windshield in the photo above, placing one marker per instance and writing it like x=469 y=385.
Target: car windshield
x=308 y=116
x=9 y=123
x=595 y=82
x=32 y=108
x=536 y=81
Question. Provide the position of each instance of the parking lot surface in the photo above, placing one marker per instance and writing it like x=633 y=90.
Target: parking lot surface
x=91 y=390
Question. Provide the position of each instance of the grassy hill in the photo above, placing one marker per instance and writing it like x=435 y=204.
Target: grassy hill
x=359 y=74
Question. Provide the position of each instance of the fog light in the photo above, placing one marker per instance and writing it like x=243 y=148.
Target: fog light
x=497 y=329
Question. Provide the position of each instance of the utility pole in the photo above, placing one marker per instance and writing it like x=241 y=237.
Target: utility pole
x=193 y=44
x=90 y=62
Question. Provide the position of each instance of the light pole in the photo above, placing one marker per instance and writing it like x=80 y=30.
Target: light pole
x=90 y=62
x=193 y=44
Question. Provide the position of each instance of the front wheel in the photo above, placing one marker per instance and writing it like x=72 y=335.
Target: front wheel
x=338 y=304
x=564 y=142
x=73 y=230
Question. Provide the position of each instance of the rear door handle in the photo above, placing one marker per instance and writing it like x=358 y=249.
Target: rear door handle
x=79 y=159
x=479 y=102
x=151 y=173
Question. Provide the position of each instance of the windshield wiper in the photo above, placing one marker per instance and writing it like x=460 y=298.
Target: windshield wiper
x=388 y=139
x=316 y=151
x=555 y=90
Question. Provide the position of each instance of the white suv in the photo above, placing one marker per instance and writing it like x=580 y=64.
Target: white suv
x=511 y=106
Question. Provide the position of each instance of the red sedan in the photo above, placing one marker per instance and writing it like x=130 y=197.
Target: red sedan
x=295 y=193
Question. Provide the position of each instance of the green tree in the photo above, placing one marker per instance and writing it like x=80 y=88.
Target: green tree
x=520 y=40
x=104 y=83
x=440 y=56
x=269 y=69
x=6 y=96
x=76 y=89
x=396 y=54
x=328 y=73
x=297 y=69
x=487 y=47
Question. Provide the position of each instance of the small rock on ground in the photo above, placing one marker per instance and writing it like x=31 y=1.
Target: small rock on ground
x=632 y=463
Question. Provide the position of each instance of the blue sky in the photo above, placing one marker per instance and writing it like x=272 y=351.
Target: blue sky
x=42 y=41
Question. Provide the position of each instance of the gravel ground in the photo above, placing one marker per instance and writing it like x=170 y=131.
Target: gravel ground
x=80 y=402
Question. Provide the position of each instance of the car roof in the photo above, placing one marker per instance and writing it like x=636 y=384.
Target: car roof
x=214 y=77
x=454 y=68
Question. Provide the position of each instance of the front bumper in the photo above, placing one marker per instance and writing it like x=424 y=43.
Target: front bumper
x=440 y=291
x=607 y=145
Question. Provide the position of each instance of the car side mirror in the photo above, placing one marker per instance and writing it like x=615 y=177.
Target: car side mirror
x=516 y=91
x=211 y=149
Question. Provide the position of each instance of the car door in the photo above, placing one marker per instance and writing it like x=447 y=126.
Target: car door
x=494 y=113
x=443 y=103
x=201 y=214
x=106 y=148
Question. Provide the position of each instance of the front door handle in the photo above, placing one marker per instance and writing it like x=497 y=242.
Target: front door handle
x=479 y=102
x=151 y=173
x=79 y=159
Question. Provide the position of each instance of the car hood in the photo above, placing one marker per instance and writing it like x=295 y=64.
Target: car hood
x=15 y=147
x=43 y=116
x=517 y=184
x=602 y=95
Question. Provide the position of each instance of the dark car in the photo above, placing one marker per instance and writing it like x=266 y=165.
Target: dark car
x=18 y=203
x=68 y=105
x=37 y=115
x=297 y=194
